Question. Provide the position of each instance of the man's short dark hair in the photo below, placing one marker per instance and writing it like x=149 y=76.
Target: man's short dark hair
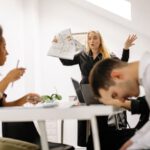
x=100 y=75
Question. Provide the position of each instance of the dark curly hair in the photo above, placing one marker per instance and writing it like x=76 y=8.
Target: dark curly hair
x=1 y=34
x=1 y=31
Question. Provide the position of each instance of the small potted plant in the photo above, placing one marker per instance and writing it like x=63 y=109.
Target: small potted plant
x=51 y=98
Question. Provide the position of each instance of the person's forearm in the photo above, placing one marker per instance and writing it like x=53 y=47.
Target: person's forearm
x=126 y=145
x=4 y=84
x=18 y=102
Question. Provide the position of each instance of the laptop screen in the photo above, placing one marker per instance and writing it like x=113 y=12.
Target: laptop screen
x=88 y=94
x=77 y=88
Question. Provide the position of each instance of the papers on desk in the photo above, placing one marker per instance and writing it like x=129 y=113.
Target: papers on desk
x=65 y=46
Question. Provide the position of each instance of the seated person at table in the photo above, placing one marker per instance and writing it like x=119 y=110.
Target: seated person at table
x=119 y=82
x=13 y=75
x=25 y=131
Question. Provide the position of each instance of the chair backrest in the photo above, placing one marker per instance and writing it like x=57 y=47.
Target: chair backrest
x=12 y=144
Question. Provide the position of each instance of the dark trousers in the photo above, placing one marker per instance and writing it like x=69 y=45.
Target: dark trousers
x=26 y=131
x=110 y=138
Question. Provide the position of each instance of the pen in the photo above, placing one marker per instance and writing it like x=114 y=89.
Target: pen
x=17 y=63
x=16 y=67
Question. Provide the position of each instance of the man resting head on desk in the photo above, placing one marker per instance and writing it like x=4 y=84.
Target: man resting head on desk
x=119 y=82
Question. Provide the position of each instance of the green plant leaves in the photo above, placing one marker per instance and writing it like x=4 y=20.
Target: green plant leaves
x=56 y=97
x=52 y=97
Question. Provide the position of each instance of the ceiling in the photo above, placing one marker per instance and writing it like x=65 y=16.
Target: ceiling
x=140 y=12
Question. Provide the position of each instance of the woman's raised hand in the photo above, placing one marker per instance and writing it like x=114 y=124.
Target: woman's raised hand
x=55 y=40
x=130 y=41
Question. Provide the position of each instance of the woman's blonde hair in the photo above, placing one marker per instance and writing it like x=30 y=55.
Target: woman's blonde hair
x=103 y=50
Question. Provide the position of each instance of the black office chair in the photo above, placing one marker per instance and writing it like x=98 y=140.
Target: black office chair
x=26 y=131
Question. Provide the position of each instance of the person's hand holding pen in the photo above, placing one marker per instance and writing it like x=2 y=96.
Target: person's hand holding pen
x=15 y=74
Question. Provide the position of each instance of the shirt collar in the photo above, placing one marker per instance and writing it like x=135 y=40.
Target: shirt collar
x=91 y=54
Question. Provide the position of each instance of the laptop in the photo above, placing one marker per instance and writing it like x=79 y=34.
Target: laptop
x=84 y=93
x=88 y=94
x=77 y=88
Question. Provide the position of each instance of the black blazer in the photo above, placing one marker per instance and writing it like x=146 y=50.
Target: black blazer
x=86 y=62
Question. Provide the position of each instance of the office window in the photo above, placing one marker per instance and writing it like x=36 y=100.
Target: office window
x=121 y=8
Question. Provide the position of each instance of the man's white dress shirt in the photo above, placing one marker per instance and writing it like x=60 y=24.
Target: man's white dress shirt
x=141 y=140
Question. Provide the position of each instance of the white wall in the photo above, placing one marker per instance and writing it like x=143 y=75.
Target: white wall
x=29 y=27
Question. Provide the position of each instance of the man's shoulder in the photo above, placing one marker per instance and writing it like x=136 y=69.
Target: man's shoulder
x=144 y=64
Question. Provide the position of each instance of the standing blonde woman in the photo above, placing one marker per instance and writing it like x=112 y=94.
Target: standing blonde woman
x=96 y=51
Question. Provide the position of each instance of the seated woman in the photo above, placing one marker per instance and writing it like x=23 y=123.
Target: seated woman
x=12 y=76
x=25 y=131
x=7 y=143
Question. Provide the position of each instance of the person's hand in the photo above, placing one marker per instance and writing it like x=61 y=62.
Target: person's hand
x=32 y=98
x=108 y=100
x=126 y=145
x=130 y=41
x=15 y=74
x=55 y=40
x=28 y=98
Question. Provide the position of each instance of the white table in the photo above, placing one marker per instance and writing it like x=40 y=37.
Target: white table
x=8 y=114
